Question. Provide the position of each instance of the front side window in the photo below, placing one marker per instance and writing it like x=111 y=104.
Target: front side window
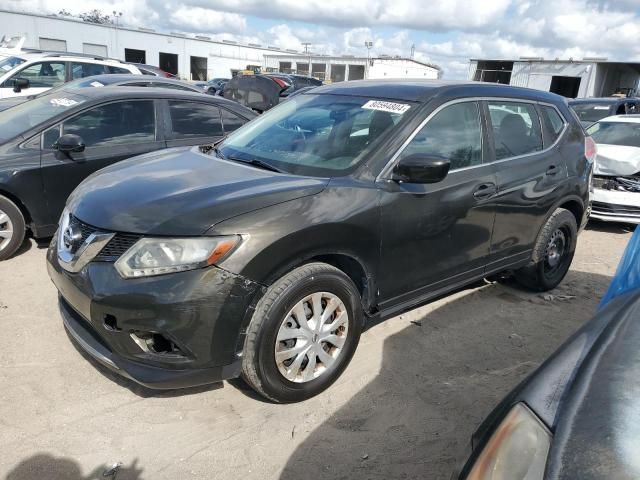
x=453 y=133
x=81 y=70
x=616 y=133
x=192 y=119
x=516 y=129
x=324 y=135
x=118 y=123
x=42 y=74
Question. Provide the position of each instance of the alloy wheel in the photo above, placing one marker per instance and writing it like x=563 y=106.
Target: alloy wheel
x=311 y=337
x=6 y=230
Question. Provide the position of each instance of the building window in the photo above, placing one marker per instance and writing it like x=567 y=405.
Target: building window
x=135 y=56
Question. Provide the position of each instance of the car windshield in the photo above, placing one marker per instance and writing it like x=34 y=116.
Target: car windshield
x=591 y=112
x=616 y=133
x=316 y=135
x=17 y=120
x=10 y=63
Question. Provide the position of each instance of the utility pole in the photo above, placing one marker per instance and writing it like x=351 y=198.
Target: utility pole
x=116 y=16
x=306 y=46
x=368 y=44
x=413 y=51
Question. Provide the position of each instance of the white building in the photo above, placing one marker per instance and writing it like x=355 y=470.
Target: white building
x=347 y=67
x=589 y=77
x=195 y=57
x=192 y=57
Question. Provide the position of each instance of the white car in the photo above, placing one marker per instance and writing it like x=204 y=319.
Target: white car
x=616 y=179
x=33 y=73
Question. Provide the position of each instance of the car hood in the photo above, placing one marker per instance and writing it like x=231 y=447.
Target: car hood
x=597 y=424
x=617 y=160
x=181 y=192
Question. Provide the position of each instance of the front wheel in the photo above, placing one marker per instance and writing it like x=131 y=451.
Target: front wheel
x=303 y=333
x=12 y=228
x=552 y=253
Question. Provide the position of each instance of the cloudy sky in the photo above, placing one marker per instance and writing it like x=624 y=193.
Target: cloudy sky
x=445 y=32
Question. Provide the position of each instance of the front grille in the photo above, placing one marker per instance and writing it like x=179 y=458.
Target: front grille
x=613 y=209
x=120 y=243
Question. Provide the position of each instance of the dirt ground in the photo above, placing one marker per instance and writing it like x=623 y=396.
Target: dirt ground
x=405 y=408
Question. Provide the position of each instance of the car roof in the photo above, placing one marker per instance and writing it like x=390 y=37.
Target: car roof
x=424 y=90
x=111 y=78
x=122 y=93
x=621 y=119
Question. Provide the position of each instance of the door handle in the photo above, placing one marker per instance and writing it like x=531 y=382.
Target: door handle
x=485 y=190
x=552 y=170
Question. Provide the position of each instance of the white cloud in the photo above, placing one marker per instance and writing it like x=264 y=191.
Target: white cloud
x=206 y=20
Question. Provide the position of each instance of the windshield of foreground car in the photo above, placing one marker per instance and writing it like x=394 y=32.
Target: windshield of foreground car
x=10 y=63
x=17 y=120
x=591 y=112
x=315 y=135
x=616 y=133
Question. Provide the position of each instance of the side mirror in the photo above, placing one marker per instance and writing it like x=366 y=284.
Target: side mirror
x=20 y=84
x=417 y=168
x=69 y=143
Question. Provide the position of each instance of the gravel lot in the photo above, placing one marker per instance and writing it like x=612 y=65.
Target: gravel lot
x=418 y=386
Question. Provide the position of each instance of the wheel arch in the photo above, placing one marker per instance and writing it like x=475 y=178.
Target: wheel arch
x=21 y=206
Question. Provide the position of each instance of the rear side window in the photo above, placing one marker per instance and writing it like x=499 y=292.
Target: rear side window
x=516 y=129
x=192 y=119
x=553 y=123
x=81 y=70
x=231 y=121
x=118 y=123
x=453 y=133
x=111 y=69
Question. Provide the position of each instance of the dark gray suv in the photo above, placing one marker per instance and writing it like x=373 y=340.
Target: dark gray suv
x=266 y=255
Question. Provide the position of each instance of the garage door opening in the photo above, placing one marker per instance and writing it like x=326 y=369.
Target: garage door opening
x=617 y=78
x=493 y=72
x=135 y=56
x=169 y=62
x=198 y=68
x=356 y=72
x=337 y=73
x=565 y=86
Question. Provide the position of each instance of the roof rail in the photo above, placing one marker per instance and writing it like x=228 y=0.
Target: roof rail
x=80 y=55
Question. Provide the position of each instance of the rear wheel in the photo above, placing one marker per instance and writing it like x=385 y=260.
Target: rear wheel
x=12 y=228
x=303 y=333
x=552 y=254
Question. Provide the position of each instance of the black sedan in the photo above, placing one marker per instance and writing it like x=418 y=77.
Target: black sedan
x=578 y=415
x=98 y=81
x=51 y=143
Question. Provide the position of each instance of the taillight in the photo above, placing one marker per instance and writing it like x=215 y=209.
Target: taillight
x=281 y=83
x=590 y=149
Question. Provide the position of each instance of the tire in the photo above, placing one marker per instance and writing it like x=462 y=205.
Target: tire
x=552 y=253
x=11 y=220
x=274 y=378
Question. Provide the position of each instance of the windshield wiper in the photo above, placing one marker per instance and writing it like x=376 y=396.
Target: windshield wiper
x=256 y=163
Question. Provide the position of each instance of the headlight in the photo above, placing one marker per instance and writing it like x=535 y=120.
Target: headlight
x=157 y=256
x=517 y=450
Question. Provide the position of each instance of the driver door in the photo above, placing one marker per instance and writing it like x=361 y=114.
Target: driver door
x=437 y=235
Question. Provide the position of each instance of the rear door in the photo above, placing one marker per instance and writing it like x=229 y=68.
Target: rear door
x=192 y=123
x=530 y=175
x=111 y=132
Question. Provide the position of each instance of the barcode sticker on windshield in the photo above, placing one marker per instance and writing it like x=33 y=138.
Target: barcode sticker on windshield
x=601 y=108
x=96 y=84
x=390 y=107
x=62 y=102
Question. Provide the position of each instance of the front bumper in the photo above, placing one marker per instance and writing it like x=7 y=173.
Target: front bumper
x=616 y=206
x=202 y=312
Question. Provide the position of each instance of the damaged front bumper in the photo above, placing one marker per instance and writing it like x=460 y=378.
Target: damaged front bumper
x=170 y=331
x=616 y=199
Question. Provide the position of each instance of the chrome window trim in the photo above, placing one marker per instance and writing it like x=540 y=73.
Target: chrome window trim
x=384 y=174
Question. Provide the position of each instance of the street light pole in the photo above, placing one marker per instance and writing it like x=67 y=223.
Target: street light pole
x=368 y=44
x=116 y=16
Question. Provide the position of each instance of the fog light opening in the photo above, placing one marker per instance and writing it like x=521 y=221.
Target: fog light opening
x=155 y=343
x=111 y=323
